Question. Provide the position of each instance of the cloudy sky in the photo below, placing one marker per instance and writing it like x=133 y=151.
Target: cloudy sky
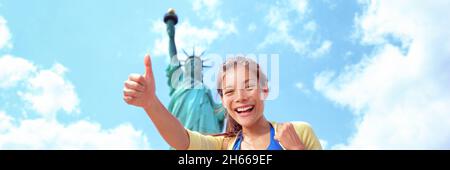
x=365 y=74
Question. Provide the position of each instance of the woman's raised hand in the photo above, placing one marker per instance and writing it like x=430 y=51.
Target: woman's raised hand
x=139 y=90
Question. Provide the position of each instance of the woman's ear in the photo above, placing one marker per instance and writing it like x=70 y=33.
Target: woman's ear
x=223 y=104
x=264 y=92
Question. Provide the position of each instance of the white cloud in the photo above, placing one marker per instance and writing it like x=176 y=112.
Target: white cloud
x=48 y=92
x=302 y=88
x=206 y=8
x=310 y=26
x=279 y=19
x=198 y=5
x=400 y=92
x=251 y=27
x=225 y=27
x=301 y=6
x=330 y=4
x=322 y=50
x=5 y=121
x=5 y=35
x=188 y=36
x=82 y=134
x=324 y=144
x=13 y=70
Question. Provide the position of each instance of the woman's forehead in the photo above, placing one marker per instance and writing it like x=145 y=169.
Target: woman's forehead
x=240 y=75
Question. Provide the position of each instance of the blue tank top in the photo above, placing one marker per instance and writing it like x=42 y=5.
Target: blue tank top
x=274 y=145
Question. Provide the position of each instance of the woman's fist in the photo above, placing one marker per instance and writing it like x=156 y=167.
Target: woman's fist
x=287 y=137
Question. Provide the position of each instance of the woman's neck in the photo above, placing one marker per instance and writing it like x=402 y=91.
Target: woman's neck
x=260 y=128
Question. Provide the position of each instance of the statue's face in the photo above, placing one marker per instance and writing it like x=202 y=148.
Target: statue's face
x=242 y=96
x=197 y=69
x=197 y=64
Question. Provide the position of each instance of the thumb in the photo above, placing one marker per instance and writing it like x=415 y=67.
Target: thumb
x=148 y=66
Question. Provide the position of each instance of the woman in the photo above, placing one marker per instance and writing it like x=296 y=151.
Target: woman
x=243 y=88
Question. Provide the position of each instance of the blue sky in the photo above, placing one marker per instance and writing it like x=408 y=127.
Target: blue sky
x=360 y=77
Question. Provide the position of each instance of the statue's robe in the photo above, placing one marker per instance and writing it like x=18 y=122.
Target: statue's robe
x=194 y=107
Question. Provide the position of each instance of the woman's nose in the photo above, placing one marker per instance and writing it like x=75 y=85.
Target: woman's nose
x=241 y=95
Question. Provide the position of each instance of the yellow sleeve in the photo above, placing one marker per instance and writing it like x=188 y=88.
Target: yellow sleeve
x=306 y=134
x=198 y=141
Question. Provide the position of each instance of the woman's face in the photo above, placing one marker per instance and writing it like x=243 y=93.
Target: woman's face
x=242 y=96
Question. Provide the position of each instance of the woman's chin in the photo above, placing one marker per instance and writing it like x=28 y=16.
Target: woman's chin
x=246 y=121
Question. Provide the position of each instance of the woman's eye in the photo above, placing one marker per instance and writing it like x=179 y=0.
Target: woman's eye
x=228 y=91
x=249 y=87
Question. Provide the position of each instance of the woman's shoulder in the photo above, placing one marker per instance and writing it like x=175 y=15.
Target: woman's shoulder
x=199 y=141
x=298 y=125
x=301 y=125
x=307 y=135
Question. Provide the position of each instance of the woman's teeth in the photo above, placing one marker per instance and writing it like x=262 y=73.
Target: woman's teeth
x=244 y=109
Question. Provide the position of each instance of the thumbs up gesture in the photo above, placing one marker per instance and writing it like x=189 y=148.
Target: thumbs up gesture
x=139 y=90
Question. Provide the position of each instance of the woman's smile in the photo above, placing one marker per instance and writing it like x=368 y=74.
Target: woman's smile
x=244 y=110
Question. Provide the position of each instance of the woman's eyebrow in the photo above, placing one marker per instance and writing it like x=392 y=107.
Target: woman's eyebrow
x=228 y=87
x=249 y=81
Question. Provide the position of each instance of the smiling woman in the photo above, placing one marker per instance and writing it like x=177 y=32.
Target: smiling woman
x=243 y=89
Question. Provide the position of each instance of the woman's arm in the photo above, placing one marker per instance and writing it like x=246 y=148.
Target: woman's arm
x=139 y=91
x=168 y=125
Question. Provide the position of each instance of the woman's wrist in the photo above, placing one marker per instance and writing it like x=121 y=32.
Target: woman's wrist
x=151 y=103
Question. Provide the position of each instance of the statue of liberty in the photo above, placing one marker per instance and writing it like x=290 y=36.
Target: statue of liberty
x=190 y=100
